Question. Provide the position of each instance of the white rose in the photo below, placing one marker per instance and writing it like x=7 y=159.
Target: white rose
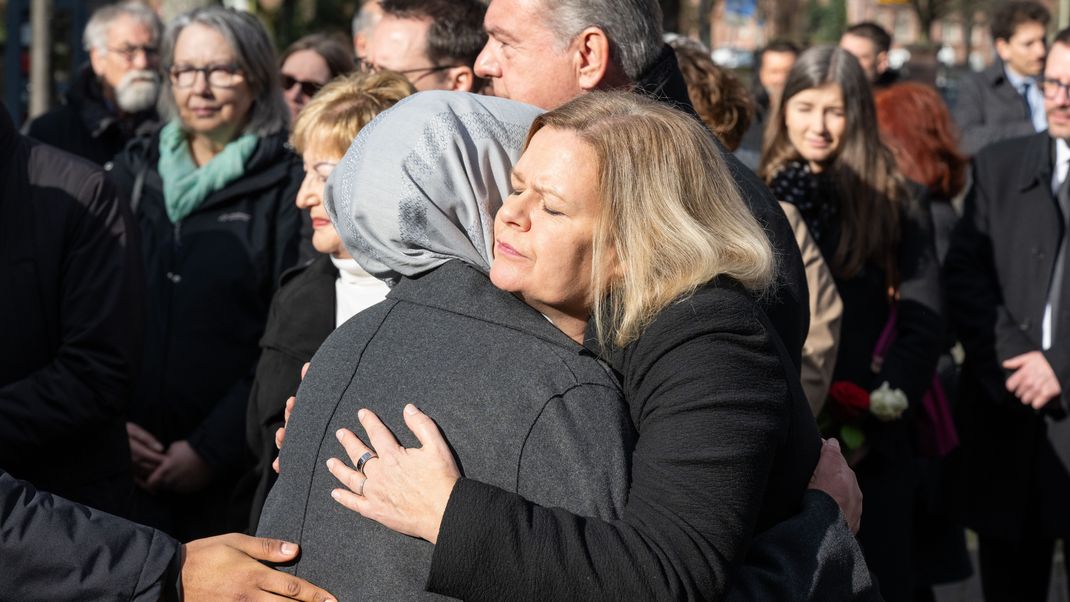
x=887 y=403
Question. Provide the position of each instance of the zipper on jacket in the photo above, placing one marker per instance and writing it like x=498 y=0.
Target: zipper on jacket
x=176 y=244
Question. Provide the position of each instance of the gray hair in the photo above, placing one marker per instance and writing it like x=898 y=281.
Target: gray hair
x=632 y=26
x=95 y=36
x=255 y=56
x=365 y=19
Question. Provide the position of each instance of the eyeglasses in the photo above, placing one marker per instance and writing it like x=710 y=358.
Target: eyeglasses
x=307 y=88
x=1051 y=87
x=218 y=76
x=367 y=66
x=130 y=52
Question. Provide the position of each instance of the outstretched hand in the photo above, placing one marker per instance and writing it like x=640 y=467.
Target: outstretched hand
x=228 y=567
x=404 y=489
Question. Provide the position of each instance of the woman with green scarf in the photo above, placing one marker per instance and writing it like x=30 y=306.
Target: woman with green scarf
x=213 y=193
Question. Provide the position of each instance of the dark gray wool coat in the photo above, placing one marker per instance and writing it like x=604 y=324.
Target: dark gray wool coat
x=523 y=406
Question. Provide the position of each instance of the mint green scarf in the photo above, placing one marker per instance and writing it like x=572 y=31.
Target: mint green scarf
x=185 y=186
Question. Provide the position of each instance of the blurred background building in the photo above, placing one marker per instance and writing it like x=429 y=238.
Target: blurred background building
x=935 y=40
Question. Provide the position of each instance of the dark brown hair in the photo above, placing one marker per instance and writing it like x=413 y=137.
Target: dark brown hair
x=863 y=170
x=1012 y=14
x=335 y=50
x=720 y=99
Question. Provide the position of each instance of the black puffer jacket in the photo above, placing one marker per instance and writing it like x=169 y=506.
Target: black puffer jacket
x=210 y=279
x=85 y=124
x=57 y=550
x=70 y=323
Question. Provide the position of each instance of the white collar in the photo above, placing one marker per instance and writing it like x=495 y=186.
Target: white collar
x=349 y=271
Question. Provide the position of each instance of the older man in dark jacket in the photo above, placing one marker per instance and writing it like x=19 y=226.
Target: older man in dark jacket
x=71 y=318
x=114 y=96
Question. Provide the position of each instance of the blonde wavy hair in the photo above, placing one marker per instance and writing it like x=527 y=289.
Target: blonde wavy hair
x=334 y=116
x=670 y=211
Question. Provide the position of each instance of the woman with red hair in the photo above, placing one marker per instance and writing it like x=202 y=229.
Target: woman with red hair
x=916 y=125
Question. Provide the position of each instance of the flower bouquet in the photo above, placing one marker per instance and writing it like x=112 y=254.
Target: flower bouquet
x=849 y=406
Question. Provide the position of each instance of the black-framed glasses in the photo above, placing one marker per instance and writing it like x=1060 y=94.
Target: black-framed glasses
x=309 y=89
x=1051 y=87
x=367 y=66
x=218 y=76
x=129 y=52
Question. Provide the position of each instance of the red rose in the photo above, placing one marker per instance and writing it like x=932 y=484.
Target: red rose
x=848 y=400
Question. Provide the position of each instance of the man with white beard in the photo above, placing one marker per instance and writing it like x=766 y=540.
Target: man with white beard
x=114 y=96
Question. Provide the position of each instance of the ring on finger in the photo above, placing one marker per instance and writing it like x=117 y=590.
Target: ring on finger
x=362 y=484
x=364 y=459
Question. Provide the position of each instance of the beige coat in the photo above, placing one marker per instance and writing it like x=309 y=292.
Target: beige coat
x=826 y=310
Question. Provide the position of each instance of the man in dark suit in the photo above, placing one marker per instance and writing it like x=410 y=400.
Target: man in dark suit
x=1005 y=278
x=1004 y=101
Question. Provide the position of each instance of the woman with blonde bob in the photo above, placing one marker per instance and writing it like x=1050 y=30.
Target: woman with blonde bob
x=316 y=298
x=622 y=228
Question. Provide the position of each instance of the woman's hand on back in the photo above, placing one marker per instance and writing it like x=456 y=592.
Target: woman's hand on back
x=404 y=489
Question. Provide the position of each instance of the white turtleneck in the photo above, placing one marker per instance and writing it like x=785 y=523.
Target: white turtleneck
x=355 y=290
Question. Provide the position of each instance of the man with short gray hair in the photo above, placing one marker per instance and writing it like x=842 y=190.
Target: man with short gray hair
x=363 y=22
x=114 y=96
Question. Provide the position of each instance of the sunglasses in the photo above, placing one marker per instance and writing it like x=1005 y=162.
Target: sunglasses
x=307 y=88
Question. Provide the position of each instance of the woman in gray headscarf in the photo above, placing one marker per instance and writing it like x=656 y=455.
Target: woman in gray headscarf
x=515 y=395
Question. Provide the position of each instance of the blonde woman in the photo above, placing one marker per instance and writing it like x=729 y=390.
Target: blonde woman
x=316 y=298
x=621 y=226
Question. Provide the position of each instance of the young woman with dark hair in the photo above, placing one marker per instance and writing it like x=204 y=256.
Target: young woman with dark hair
x=824 y=155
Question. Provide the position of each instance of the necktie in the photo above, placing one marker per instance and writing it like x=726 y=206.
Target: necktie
x=1025 y=96
x=1034 y=106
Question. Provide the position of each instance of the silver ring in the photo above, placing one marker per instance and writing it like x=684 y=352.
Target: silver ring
x=362 y=484
x=364 y=458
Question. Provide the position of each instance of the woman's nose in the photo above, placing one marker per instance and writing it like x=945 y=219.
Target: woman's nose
x=514 y=212
x=308 y=195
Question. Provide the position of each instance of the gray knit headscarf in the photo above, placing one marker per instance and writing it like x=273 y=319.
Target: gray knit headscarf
x=421 y=183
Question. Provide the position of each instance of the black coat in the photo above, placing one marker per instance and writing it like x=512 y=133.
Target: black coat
x=997 y=275
x=85 y=124
x=53 y=549
x=788 y=306
x=717 y=460
x=888 y=474
x=210 y=279
x=70 y=322
x=302 y=314
x=989 y=109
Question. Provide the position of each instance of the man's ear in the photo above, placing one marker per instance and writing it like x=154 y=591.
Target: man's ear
x=592 y=57
x=460 y=79
x=1003 y=49
x=96 y=60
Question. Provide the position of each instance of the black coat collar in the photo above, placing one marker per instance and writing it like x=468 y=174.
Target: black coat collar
x=1039 y=154
x=664 y=82
x=86 y=98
